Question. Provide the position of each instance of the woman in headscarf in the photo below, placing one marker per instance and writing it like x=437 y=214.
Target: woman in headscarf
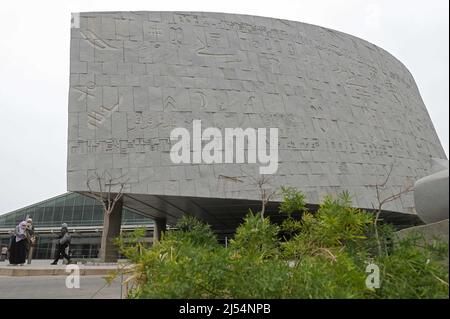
x=18 y=250
x=31 y=239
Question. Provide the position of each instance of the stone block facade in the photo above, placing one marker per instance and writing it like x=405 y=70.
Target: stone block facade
x=346 y=109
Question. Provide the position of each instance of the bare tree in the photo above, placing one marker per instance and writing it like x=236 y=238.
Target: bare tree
x=266 y=193
x=262 y=182
x=384 y=200
x=108 y=191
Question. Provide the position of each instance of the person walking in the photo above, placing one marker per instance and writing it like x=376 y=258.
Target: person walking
x=18 y=248
x=31 y=239
x=63 y=242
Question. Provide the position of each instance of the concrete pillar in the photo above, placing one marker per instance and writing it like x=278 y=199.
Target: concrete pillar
x=158 y=228
x=53 y=250
x=111 y=230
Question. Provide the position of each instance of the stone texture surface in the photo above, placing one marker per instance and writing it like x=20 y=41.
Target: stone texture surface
x=430 y=232
x=346 y=109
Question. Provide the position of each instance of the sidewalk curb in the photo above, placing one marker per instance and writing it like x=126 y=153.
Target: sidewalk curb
x=23 y=272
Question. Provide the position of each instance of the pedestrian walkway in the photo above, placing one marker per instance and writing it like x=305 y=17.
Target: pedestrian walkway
x=54 y=287
x=42 y=267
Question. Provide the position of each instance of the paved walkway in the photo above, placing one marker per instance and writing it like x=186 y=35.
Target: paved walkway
x=42 y=267
x=54 y=287
x=40 y=280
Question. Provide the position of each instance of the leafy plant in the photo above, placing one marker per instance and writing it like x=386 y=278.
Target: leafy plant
x=320 y=255
x=256 y=237
x=293 y=201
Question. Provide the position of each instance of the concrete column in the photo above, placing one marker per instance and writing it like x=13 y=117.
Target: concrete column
x=158 y=228
x=53 y=250
x=111 y=230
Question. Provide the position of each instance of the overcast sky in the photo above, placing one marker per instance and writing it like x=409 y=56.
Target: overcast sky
x=34 y=69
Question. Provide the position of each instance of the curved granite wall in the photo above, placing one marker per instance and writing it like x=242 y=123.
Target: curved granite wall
x=346 y=109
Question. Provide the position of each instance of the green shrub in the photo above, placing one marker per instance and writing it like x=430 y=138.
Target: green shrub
x=256 y=237
x=414 y=269
x=321 y=255
x=293 y=201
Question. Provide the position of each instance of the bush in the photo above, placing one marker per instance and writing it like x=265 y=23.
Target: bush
x=321 y=255
x=256 y=237
x=414 y=270
x=293 y=201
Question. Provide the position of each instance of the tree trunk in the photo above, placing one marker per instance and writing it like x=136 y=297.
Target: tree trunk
x=104 y=241
x=111 y=230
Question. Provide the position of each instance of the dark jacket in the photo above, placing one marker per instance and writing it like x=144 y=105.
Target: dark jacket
x=64 y=237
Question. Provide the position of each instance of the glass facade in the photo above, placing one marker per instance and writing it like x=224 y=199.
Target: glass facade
x=83 y=215
x=71 y=208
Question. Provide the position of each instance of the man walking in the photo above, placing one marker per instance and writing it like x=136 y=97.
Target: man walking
x=63 y=242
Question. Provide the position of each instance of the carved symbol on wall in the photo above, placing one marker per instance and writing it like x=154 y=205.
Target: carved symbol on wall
x=152 y=32
x=176 y=35
x=169 y=102
x=96 y=41
x=291 y=145
x=321 y=124
x=248 y=105
x=230 y=178
x=291 y=49
x=255 y=43
x=203 y=99
x=146 y=52
x=221 y=104
x=396 y=98
x=124 y=146
x=188 y=18
x=343 y=168
x=85 y=92
x=96 y=118
x=250 y=100
x=143 y=120
x=214 y=38
x=139 y=122
x=207 y=49
x=226 y=182
x=234 y=60
x=317 y=108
